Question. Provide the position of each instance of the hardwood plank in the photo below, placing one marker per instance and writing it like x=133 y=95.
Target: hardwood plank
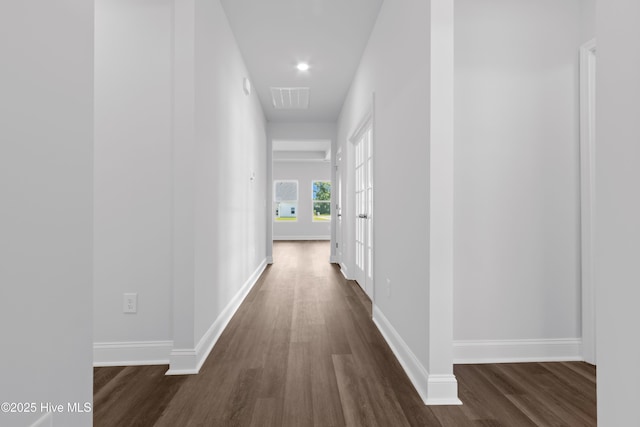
x=102 y=376
x=585 y=369
x=502 y=408
x=539 y=413
x=298 y=406
x=276 y=357
x=573 y=380
x=242 y=396
x=141 y=406
x=473 y=407
x=375 y=373
x=325 y=395
x=336 y=318
x=302 y=351
x=264 y=413
x=552 y=394
x=357 y=409
x=488 y=423
x=449 y=417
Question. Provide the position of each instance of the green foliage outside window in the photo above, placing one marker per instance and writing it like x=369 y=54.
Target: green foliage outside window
x=321 y=201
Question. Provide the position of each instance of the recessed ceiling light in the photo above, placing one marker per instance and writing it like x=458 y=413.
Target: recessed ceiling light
x=302 y=66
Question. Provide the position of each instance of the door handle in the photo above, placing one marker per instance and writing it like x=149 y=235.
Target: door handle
x=363 y=216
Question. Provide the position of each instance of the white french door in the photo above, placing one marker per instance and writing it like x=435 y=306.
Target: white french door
x=338 y=206
x=363 y=169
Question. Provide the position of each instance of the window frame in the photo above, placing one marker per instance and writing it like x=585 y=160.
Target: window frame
x=294 y=203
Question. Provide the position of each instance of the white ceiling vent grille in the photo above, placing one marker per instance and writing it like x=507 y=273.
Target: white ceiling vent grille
x=290 y=98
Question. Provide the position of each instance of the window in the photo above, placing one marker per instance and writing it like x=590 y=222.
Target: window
x=321 y=199
x=285 y=200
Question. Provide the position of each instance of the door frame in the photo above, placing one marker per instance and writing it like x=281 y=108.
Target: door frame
x=587 y=196
x=367 y=122
x=337 y=208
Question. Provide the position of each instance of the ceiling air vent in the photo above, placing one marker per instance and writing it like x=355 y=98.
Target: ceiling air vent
x=290 y=98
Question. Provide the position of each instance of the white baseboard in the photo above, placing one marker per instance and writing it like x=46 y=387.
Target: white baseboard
x=433 y=389
x=269 y=260
x=185 y=361
x=442 y=390
x=514 y=351
x=345 y=271
x=301 y=237
x=131 y=353
x=44 y=421
x=333 y=259
x=189 y=361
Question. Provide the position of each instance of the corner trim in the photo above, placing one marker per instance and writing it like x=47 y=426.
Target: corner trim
x=433 y=389
x=440 y=389
x=587 y=196
x=187 y=361
x=514 y=351
x=345 y=271
x=131 y=353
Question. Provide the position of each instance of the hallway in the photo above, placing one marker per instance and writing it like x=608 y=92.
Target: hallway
x=137 y=212
x=302 y=351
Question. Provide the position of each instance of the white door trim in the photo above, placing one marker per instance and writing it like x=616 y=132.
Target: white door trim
x=336 y=207
x=587 y=196
x=367 y=123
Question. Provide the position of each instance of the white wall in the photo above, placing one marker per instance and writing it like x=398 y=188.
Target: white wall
x=302 y=131
x=305 y=173
x=231 y=146
x=180 y=170
x=219 y=164
x=400 y=153
x=588 y=20
x=132 y=230
x=617 y=211
x=397 y=65
x=517 y=171
x=46 y=148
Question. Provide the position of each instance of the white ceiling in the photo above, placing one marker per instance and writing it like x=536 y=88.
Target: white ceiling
x=330 y=35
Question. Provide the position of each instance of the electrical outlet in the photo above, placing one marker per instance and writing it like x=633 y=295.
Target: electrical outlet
x=130 y=303
x=388 y=287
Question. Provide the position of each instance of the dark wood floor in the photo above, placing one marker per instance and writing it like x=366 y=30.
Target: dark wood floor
x=302 y=351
